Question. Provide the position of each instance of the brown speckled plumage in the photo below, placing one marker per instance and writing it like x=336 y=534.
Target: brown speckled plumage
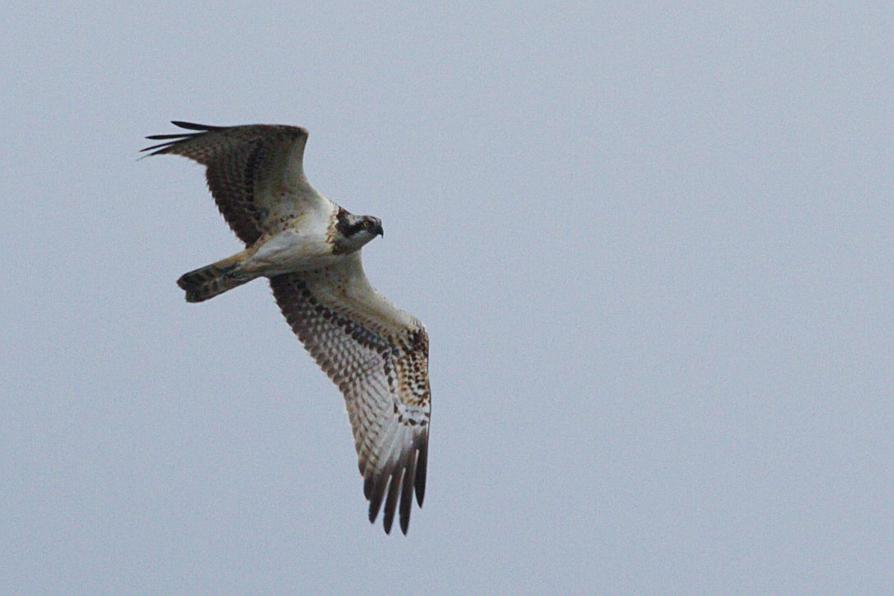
x=379 y=360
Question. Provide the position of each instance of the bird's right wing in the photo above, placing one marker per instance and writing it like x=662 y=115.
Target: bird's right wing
x=255 y=172
x=378 y=357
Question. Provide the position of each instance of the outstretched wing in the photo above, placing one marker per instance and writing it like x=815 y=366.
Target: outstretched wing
x=378 y=357
x=255 y=172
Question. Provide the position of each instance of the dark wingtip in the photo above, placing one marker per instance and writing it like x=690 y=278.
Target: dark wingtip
x=421 y=470
x=395 y=486
x=194 y=126
x=377 y=493
x=391 y=501
x=169 y=141
x=179 y=135
x=159 y=148
x=406 y=493
x=368 y=484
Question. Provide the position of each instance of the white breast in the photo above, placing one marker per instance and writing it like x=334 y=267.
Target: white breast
x=301 y=247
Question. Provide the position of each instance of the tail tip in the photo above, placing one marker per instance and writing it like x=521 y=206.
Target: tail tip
x=207 y=282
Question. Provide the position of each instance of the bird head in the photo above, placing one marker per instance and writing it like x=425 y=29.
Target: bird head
x=354 y=231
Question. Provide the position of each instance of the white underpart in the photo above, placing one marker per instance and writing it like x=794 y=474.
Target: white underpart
x=290 y=252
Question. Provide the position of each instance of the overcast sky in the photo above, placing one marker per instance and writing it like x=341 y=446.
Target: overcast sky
x=653 y=247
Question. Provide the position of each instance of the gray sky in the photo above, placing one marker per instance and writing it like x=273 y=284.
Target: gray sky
x=652 y=246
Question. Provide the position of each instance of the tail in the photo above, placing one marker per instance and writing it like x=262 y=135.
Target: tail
x=211 y=280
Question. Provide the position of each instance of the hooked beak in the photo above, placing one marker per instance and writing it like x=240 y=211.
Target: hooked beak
x=378 y=230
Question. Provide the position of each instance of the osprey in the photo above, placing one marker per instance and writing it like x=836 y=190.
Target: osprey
x=309 y=248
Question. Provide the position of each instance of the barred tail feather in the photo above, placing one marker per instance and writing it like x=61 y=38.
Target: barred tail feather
x=211 y=280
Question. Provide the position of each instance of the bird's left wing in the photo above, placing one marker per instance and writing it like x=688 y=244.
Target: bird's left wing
x=255 y=172
x=378 y=357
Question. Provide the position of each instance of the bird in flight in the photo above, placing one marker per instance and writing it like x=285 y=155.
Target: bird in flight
x=309 y=249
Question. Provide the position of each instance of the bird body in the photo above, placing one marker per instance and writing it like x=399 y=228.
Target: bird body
x=304 y=243
x=310 y=249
